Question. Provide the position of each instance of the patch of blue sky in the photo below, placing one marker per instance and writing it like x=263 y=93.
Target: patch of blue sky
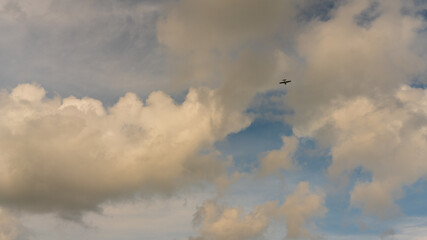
x=310 y=157
x=419 y=82
x=358 y=175
x=269 y=105
x=413 y=203
x=180 y=96
x=264 y=133
x=312 y=163
x=420 y=3
x=344 y=220
x=317 y=10
x=341 y=218
x=247 y=145
x=421 y=85
x=423 y=14
x=368 y=15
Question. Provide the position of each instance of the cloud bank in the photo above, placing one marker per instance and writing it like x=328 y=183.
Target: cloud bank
x=69 y=155
x=82 y=47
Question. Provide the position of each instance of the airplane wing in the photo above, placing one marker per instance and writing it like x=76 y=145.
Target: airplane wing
x=285 y=81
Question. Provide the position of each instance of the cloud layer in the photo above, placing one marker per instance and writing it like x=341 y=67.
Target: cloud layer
x=96 y=47
x=345 y=60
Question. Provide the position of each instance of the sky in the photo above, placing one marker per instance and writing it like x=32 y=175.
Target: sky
x=165 y=119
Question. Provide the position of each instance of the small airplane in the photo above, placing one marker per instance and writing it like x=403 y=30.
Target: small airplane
x=285 y=81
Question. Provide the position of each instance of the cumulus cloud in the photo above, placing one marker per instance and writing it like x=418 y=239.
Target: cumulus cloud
x=387 y=139
x=219 y=222
x=281 y=159
x=68 y=155
x=350 y=97
x=299 y=208
x=345 y=60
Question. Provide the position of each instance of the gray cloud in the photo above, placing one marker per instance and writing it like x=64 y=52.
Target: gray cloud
x=388 y=234
x=96 y=48
x=222 y=43
x=11 y=227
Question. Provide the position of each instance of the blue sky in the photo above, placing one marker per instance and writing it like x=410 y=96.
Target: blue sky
x=141 y=119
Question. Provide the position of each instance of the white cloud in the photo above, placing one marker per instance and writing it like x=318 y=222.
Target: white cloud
x=222 y=223
x=388 y=139
x=350 y=98
x=68 y=155
x=282 y=159
x=215 y=221
x=344 y=60
x=301 y=207
x=411 y=228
